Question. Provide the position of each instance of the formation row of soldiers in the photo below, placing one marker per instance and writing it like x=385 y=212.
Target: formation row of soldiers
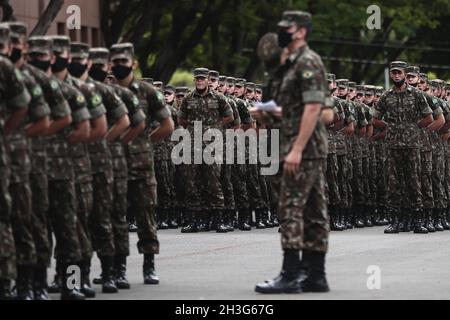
x=367 y=182
x=76 y=157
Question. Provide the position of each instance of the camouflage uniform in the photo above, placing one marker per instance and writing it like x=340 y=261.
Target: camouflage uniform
x=13 y=95
x=303 y=209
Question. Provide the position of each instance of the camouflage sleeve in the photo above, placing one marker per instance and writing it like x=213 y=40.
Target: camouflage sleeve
x=362 y=121
x=312 y=84
x=115 y=107
x=437 y=110
x=79 y=107
x=423 y=106
x=157 y=107
x=349 y=117
x=94 y=102
x=244 y=113
x=380 y=108
x=340 y=110
x=237 y=118
x=183 y=108
x=16 y=94
x=55 y=98
x=368 y=114
x=38 y=107
x=446 y=110
x=224 y=107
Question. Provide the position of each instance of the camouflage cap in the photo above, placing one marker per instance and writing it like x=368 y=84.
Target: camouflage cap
x=79 y=50
x=352 y=85
x=447 y=86
x=60 y=43
x=40 y=44
x=201 y=72
x=437 y=83
x=213 y=74
x=99 y=55
x=18 y=29
x=342 y=83
x=122 y=51
x=360 y=89
x=331 y=77
x=423 y=76
x=268 y=50
x=169 y=88
x=231 y=80
x=299 y=18
x=158 y=84
x=4 y=33
x=181 y=91
x=250 y=86
x=258 y=87
x=148 y=80
x=379 y=91
x=397 y=65
x=413 y=70
x=222 y=79
x=370 y=90
x=240 y=82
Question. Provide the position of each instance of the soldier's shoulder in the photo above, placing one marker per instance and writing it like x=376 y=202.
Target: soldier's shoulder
x=6 y=65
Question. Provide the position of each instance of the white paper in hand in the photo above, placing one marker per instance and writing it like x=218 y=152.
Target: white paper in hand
x=269 y=106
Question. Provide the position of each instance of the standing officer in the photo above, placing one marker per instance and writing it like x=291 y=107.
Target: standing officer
x=304 y=147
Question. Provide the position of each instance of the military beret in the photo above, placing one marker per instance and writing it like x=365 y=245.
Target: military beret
x=169 y=88
x=40 y=44
x=148 y=80
x=222 y=78
x=201 y=72
x=370 y=90
x=398 y=65
x=213 y=74
x=413 y=70
x=352 y=85
x=181 y=91
x=18 y=29
x=360 y=89
x=60 y=43
x=4 y=33
x=122 y=51
x=99 y=55
x=158 y=84
x=231 y=80
x=290 y=18
x=342 y=83
x=79 y=50
x=424 y=76
x=331 y=77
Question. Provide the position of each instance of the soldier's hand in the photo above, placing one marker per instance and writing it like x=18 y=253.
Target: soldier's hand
x=292 y=162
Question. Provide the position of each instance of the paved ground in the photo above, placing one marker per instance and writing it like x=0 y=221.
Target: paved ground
x=227 y=266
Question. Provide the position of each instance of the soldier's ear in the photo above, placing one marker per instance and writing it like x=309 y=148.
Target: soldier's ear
x=135 y=64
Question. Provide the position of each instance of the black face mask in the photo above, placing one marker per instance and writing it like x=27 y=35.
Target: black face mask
x=284 y=38
x=42 y=65
x=77 y=69
x=121 y=72
x=400 y=83
x=16 y=54
x=60 y=64
x=97 y=73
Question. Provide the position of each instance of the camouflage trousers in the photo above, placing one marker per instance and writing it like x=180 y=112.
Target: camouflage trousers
x=164 y=172
x=342 y=180
x=437 y=177
x=63 y=220
x=40 y=204
x=7 y=245
x=142 y=200
x=368 y=196
x=239 y=183
x=203 y=189
x=100 y=224
x=255 y=196
x=180 y=179
x=331 y=182
x=303 y=212
x=378 y=176
x=274 y=183
x=84 y=193
x=264 y=188
x=447 y=175
x=227 y=186
x=357 y=184
x=119 y=216
x=426 y=172
x=404 y=187
x=21 y=221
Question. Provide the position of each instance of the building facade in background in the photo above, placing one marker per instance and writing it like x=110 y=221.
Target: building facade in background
x=30 y=11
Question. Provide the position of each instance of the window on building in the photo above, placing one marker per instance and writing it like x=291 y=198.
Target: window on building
x=73 y=35
x=84 y=35
x=95 y=37
x=61 y=28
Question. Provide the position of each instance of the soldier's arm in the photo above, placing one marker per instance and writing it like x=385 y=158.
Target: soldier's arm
x=328 y=117
x=225 y=111
x=118 y=128
x=181 y=115
x=117 y=112
x=99 y=126
x=38 y=127
x=57 y=125
x=437 y=124
x=133 y=132
x=161 y=113
x=80 y=133
x=17 y=98
x=61 y=113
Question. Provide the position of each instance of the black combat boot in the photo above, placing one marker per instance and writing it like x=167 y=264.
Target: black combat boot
x=367 y=216
x=393 y=227
x=108 y=283
x=418 y=223
x=24 y=283
x=288 y=281
x=220 y=224
x=6 y=292
x=86 y=289
x=148 y=269
x=437 y=220
x=266 y=218
x=316 y=280
x=190 y=225
x=347 y=218
x=444 y=220
x=341 y=218
x=97 y=280
x=68 y=289
x=274 y=217
x=162 y=215
x=358 y=214
x=236 y=219
x=407 y=220
x=172 y=219
x=259 y=224
x=120 y=270
x=132 y=226
x=55 y=286
x=334 y=220
x=229 y=219
x=383 y=221
x=40 y=284
x=429 y=220
x=244 y=220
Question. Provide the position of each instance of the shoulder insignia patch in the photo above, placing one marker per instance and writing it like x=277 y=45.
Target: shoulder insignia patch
x=307 y=74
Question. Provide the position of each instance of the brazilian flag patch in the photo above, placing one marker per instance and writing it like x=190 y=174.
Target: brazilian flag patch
x=80 y=99
x=19 y=75
x=160 y=96
x=96 y=100
x=307 y=74
x=53 y=85
x=135 y=101
x=37 y=91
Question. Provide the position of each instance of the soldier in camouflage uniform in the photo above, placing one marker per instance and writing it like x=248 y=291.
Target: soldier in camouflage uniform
x=402 y=122
x=446 y=223
x=20 y=144
x=14 y=99
x=204 y=189
x=142 y=197
x=304 y=148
